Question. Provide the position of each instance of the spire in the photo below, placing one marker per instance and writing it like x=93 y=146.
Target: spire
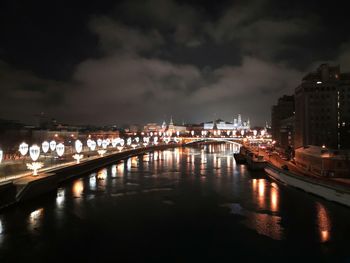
x=171 y=121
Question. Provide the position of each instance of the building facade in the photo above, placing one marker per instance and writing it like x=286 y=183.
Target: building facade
x=322 y=109
x=323 y=162
x=282 y=121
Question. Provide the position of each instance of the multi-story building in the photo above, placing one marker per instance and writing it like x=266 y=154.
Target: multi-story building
x=282 y=121
x=322 y=109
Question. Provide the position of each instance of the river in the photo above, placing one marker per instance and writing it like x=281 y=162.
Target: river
x=178 y=205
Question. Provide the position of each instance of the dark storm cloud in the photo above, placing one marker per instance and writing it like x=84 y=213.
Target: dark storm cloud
x=159 y=58
x=22 y=93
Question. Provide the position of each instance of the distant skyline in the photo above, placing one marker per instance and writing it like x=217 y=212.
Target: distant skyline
x=134 y=61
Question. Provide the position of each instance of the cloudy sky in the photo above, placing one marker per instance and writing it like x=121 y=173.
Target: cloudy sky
x=139 y=61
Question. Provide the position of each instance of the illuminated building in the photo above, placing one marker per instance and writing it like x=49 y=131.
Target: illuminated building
x=322 y=109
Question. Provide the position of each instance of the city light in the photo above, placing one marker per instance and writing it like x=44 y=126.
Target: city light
x=60 y=149
x=52 y=145
x=101 y=152
x=23 y=148
x=78 y=146
x=78 y=149
x=104 y=144
x=88 y=143
x=45 y=146
x=114 y=142
x=34 y=152
x=1 y=155
x=92 y=145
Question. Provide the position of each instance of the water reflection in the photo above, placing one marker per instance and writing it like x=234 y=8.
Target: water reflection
x=78 y=188
x=258 y=187
x=102 y=174
x=92 y=181
x=274 y=197
x=60 y=197
x=35 y=219
x=324 y=222
x=265 y=224
x=114 y=171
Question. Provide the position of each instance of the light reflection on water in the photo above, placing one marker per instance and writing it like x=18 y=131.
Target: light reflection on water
x=78 y=188
x=178 y=182
x=35 y=219
x=324 y=222
x=60 y=197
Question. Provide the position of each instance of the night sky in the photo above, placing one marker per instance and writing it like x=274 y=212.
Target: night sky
x=116 y=62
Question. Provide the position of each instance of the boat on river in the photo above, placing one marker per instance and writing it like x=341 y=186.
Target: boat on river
x=317 y=186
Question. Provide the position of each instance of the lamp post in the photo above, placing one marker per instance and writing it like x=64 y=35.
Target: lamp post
x=45 y=146
x=34 y=152
x=60 y=149
x=23 y=148
x=78 y=149
x=52 y=145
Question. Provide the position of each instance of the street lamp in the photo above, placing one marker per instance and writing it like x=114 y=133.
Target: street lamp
x=155 y=140
x=23 y=148
x=92 y=145
x=45 y=146
x=78 y=149
x=104 y=144
x=114 y=142
x=52 y=145
x=60 y=149
x=34 y=152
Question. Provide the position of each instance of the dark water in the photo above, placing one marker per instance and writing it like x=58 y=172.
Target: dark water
x=180 y=205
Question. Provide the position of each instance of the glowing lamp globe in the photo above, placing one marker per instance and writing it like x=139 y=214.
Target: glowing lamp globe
x=78 y=146
x=45 y=146
x=104 y=144
x=52 y=145
x=88 y=143
x=99 y=142
x=23 y=148
x=60 y=149
x=114 y=142
x=34 y=152
x=192 y=133
x=1 y=155
x=92 y=145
